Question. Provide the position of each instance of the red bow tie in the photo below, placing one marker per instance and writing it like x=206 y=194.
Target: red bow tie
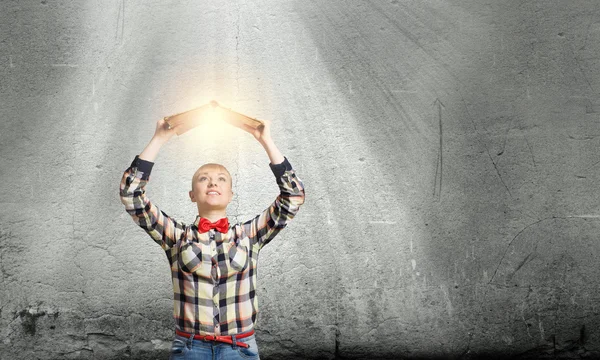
x=222 y=225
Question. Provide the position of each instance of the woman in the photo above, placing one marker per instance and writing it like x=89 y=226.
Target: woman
x=213 y=263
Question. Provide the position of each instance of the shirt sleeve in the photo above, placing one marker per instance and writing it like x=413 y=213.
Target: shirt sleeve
x=163 y=229
x=263 y=228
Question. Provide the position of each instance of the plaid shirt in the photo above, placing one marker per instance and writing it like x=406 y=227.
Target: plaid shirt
x=214 y=274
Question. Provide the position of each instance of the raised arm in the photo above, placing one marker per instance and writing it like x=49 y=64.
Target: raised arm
x=272 y=220
x=164 y=230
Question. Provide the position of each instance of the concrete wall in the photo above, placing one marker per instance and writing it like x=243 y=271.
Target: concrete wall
x=448 y=149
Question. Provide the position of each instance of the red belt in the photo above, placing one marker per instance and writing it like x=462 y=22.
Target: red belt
x=221 y=338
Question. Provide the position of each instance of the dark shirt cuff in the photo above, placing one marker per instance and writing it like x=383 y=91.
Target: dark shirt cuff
x=142 y=166
x=279 y=169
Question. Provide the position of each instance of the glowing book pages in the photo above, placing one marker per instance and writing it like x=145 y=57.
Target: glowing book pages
x=187 y=120
x=190 y=119
x=236 y=119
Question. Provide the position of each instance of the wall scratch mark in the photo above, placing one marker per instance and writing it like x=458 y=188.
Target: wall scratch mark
x=237 y=52
x=437 y=185
x=511 y=242
x=528 y=258
x=498 y=172
x=484 y=144
x=120 y=16
x=584 y=216
x=582 y=72
x=506 y=136
x=530 y=150
x=523 y=305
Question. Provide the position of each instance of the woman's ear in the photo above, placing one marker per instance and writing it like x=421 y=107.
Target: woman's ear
x=191 y=193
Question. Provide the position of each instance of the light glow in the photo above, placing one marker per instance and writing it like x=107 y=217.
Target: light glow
x=213 y=123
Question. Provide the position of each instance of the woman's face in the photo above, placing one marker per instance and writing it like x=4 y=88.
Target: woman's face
x=211 y=187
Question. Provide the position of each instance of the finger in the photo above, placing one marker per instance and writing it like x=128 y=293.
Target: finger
x=164 y=125
x=264 y=125
x=174 y=120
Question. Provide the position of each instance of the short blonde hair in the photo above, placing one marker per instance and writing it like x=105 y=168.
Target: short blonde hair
x=213 y=165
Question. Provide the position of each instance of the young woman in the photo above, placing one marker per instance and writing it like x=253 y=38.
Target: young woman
x=213 y=263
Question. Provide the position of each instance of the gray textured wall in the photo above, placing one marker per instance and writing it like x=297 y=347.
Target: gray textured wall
x=448 y=149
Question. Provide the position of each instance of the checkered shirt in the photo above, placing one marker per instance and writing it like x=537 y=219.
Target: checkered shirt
x=213 y=274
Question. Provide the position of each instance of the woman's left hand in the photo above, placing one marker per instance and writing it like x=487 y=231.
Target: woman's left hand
x=262 y=133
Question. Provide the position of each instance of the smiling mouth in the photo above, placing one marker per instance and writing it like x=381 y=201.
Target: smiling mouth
x=212 y=193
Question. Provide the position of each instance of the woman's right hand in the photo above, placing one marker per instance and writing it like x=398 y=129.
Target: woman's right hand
x=162 y=132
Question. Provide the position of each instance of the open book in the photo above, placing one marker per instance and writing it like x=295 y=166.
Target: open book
x=188 y=120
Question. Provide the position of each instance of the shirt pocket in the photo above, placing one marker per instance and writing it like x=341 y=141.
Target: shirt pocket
x=190 y=259
x=238 y=258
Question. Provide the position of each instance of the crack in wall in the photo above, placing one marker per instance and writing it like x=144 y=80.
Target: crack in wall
x=530 y=287
x=483 y=143
x=440 y=161
x=4 y=236
x=120 y=16
x=237 y=53
x=237 y=198
x=529 y=226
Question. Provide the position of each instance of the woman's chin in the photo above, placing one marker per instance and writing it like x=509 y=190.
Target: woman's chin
x=213 y=205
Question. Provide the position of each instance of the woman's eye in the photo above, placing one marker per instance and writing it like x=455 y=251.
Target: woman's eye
x=202 y=178
x=222 y=178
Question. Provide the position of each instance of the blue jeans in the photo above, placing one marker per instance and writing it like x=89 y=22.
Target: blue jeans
x=192 y=349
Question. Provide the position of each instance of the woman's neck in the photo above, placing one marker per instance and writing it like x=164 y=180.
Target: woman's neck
x=213 y=215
